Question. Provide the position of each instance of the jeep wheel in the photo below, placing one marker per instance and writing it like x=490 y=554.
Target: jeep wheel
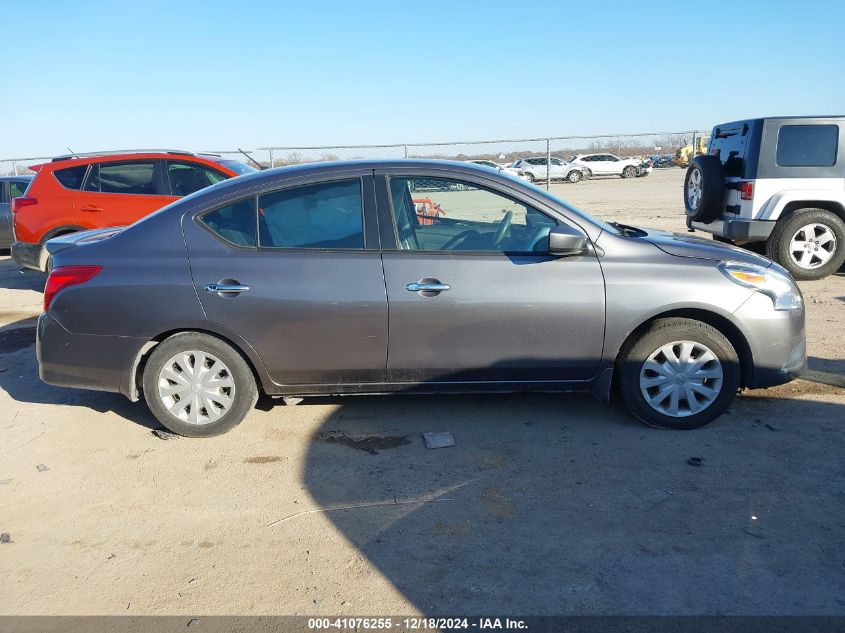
x=809 y=243
x=704 y=189
x=629 y=172
x=574 y=176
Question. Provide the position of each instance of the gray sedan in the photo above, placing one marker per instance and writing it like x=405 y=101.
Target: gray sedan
x=408 y=276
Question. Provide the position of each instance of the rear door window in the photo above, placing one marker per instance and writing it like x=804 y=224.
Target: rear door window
x=186 y=178
x=807 y=145
x=326 y=215
x=134 y=178
x=17 y=188
x=71 y=178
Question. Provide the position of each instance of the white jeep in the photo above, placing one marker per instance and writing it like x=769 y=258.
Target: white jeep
x=780 y=181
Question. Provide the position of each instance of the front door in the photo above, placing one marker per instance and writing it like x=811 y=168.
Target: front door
x=474 y=297
x=289 y=270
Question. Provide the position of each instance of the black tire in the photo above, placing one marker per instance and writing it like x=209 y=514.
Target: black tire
x=662 y=332
x=777 y=246
x=587 y=174
x=530 y=176
x=245 y=390
x=629 y=172
x=574 y=176
x=708 y=204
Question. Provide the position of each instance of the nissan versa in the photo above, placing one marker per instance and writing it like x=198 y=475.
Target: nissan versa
x=408 y=276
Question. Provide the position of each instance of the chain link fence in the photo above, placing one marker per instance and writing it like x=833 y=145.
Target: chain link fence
x=651 y=190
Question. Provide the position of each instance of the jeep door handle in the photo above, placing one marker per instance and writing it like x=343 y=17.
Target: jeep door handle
x=225 y=288
x=422 y=286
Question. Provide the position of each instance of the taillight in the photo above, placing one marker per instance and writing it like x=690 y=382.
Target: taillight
x=64 y=277
x=746 y=190
x=23 y=201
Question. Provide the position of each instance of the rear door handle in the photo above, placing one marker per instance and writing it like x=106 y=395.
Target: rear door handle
x=225 y=288
x=91 y=207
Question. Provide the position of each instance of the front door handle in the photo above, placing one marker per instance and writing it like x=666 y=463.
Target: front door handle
x=427 y=287
x=91 y=208
x=225 y=288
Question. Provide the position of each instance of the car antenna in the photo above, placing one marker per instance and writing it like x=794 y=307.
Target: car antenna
x=248 y=157
x=71 y=151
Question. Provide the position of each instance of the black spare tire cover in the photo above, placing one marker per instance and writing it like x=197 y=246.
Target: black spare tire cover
x=704 y=188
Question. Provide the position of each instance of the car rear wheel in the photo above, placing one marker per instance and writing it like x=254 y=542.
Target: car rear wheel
x=198 y=386
x=809 y=243
x=629 y=172
x=680 y=374
x=574 y=176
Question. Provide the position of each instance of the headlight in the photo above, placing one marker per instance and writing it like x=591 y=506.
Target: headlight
x=773 y=282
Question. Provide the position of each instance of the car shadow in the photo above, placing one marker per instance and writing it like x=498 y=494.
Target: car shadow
x=12 y=277
x=557 y=504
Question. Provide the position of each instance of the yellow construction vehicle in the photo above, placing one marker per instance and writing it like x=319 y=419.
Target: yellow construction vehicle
x=684 y=154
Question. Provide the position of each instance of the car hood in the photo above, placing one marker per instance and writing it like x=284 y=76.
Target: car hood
x=685 y=245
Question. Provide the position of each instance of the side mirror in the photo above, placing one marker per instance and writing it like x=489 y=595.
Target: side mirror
x=565 y=240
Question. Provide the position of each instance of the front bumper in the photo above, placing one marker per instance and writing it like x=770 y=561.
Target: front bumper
x=777 y=341
x=27 y=255
x=736 y=228
x=85 y=361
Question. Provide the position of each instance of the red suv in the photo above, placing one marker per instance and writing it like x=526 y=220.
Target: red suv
x=92 y=191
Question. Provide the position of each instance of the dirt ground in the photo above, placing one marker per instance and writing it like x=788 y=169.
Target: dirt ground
x=548 y=504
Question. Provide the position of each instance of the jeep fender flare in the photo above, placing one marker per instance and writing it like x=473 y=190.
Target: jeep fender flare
x=800 y=198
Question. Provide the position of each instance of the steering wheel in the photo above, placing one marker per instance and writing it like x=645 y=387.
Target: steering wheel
x=504 y=225
x=460 y=237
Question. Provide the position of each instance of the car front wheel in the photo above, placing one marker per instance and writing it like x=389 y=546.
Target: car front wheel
x=198 y=386
x=574 y=176
x=629 y=172
x=680 y=374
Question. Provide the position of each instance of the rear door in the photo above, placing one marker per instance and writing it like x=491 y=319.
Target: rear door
x=121 y=192
x=474 y=297
x=185 y=177
x=294 y=272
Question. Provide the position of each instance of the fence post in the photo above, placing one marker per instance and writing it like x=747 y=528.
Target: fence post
x=15 y=167
x=548 y=162
x=406 y=151
x=272 y=160
x=692 y=154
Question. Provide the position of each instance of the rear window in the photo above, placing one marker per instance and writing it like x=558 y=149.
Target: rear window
x=807 y=145
x=17 y=188
x=71 y=178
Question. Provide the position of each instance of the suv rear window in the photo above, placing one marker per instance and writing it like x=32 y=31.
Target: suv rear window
x=71 y=178
x=807 y=145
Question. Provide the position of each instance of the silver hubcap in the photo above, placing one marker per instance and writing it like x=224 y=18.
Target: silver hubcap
x=196 y=387
x=694 y=189
x=812 y=246
x=681 y=378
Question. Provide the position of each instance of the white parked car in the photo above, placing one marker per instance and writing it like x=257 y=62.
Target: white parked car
x=608 y=165
x=510 y=171
x=536 y=170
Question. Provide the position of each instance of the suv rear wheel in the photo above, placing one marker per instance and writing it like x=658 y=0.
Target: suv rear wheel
x=680 y=374
x=197 y=385
x=809 y=243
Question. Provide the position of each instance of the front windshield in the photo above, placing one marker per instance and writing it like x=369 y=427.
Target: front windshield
x=604 y=226
x=237 y=166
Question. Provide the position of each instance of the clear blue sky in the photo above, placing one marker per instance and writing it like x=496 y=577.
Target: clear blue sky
x=214 y=75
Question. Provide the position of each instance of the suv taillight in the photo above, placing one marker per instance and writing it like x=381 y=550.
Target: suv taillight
x=23 y=201
x=746 y=190
x=64 y=277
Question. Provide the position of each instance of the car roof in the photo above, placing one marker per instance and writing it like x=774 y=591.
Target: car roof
x=96 y=157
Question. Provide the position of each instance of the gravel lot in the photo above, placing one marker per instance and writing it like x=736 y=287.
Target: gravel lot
x=548 y=504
